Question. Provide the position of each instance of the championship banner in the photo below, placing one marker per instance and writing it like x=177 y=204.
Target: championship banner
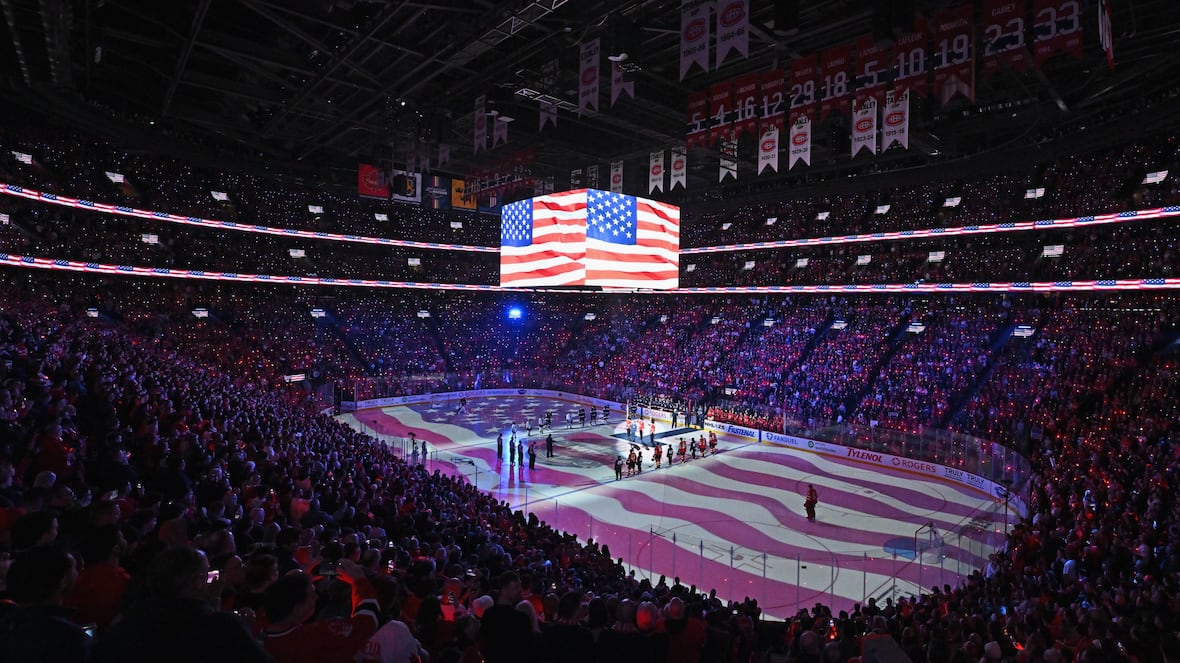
x=772 y=111
x=694 y=35
x=459 y=197
x=874 y=64
x=481 y=124
x=800 y=141
x=728 y=164
x=679 y=170
x=436 y=192
x=412 y=161
x=1057 y=28
x=616 y=176
x=548 y=114
x=896 y=124
x=835 y=91
x=424 y=157
x=499 y=131
x=954 y=64
x=1003 y=36
x=619 y=84
x=588 y=77
x=720 y=105
x=912 y=58
x=864 y=126
x=576 y=178
x=592 y=176
x=804 y=71
x=768 y=150
x=370 y=182
x=745 y=99
x=655 y=173
x=733 y=28
x=698 y=120
x=405 y=187
x=1105 y=32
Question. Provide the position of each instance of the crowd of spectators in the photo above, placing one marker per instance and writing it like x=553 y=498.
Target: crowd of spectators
x=162 y=483
x=141 y=463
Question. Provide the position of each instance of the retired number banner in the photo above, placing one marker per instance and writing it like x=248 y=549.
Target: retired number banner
x=1003 y=36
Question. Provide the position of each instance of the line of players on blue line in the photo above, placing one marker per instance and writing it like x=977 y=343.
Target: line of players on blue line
x=687 y=448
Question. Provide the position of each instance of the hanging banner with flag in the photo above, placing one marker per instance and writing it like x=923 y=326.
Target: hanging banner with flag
x=954 y=62
x=436 y=192
x=616 y=176
x=655 y=172
x=800 y=141
x=745 y=103
x=590 y=237
x=912 y=58
x=499 y=131
x=548 y=114
x=1105 y=32
x=772 y=111
x=371 y=182
x=864 y=126
x=619 y=84
x=768 y=150
x=588 y=77
x=896 y=126
x=836 y=89
x=728 y=163
x=694 y=35
x=1057 y=28
x=679 y=170
x=1003 y=36
x=481 y=124
x=592 y=176
x=874 y=64
x=733 y=28
x=444 y=154
x=697 y=133
x=720 y=110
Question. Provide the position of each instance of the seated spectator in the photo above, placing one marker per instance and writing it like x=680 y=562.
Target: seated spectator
x=291 y=603
x=175 y=620
x=37 y=627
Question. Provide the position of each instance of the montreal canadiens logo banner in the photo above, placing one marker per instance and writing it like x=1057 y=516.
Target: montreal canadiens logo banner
x=864 y=126
x=588 y=77
x=655 y=173
x=896 y=129
x=616 y=176
x=768 y=150
x=679 y=170
x=733 y=31
x=694 y=35
x=800 y=141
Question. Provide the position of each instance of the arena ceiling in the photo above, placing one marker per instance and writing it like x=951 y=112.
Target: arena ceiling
x=325 y=83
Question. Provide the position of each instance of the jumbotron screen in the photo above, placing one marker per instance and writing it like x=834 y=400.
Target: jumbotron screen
x=588 y=237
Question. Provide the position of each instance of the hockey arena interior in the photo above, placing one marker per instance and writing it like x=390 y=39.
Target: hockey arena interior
x=740 y=331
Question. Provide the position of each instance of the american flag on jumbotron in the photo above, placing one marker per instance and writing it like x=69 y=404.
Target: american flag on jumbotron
x=588 y=237
x=631 y=242
x=543 y=241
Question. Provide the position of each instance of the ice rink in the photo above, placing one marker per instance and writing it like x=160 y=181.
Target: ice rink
x=733 y=521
